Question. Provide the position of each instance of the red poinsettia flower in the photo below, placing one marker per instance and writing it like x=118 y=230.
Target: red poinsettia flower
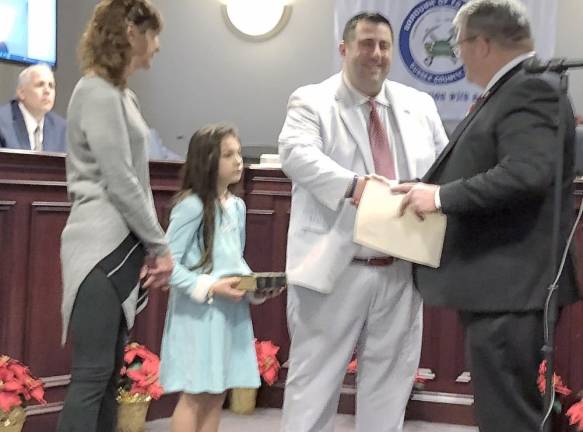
x=17 y=384
x=560 y=387
x=267 y=361
x=141 y=372
x=9 y=400
x=575 y=415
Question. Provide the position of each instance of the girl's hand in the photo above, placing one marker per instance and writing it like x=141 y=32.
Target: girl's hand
x=268 y=293
x=227 y=288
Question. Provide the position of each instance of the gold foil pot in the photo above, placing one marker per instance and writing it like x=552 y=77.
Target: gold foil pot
x=12 y=421
x=131 y=411
x=242 y=400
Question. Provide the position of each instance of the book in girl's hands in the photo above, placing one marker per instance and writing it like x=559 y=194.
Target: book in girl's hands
x=263 y=282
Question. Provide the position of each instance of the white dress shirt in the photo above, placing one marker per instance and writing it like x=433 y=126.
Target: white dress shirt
x=31 y=125
x=389 y=123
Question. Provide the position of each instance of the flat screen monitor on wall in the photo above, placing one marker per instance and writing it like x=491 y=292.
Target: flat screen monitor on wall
x=28 y=31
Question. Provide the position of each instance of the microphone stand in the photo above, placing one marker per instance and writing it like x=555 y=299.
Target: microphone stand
x=551 y=312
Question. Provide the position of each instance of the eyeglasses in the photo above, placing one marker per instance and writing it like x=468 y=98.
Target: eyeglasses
x=456 y=46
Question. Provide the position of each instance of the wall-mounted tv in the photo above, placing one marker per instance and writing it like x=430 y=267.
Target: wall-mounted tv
x=28 y=31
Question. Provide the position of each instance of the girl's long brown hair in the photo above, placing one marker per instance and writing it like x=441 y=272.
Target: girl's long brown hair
x=104 y=47
x=200 y=177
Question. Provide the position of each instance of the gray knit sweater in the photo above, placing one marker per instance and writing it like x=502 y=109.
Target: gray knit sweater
x=108 y=183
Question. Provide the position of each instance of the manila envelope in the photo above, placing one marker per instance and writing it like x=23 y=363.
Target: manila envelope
x=379 y=227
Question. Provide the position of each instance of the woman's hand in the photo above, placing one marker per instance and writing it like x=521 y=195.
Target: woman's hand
x=227 y=288
x=156 y=272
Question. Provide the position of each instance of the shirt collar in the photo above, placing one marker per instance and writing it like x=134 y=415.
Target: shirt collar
x=360 y=98
x=29 y=119
x=506 y=68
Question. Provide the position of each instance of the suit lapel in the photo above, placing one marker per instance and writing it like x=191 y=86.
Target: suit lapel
x=48 y=130
x=19 y=127
x=467 y=120
x=405 y=128
x=453 y=140
x=350 y=115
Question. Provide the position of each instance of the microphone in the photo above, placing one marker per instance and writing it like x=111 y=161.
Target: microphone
x=557 y=65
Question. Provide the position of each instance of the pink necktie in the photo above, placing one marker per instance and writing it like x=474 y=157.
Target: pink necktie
x=379 y=144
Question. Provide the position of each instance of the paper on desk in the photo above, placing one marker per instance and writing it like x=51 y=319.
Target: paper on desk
x=378 y=226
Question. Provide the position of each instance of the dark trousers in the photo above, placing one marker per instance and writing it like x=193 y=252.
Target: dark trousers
x=98 y=335
x=505 y=353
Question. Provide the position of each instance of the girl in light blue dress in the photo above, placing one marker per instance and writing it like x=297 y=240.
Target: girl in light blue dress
x=207 y=346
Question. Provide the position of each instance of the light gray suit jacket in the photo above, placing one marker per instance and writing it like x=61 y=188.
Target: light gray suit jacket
x=322 y=145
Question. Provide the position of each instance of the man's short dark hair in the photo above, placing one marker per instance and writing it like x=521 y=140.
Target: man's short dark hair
x=373 y=17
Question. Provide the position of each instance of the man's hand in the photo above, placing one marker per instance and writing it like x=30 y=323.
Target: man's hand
x=420 y=197
x=359 y=188
x=361 y=183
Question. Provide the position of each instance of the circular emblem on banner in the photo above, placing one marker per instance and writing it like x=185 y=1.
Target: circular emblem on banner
x=426 y=42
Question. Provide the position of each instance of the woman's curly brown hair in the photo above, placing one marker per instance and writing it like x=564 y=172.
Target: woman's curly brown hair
x=104 y=47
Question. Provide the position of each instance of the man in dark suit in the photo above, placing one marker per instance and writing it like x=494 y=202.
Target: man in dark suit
x=494 y=181
x=26 y=122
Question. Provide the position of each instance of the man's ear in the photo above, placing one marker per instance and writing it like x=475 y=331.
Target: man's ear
x=342 y=48
x=483 y=46
x=19 y=93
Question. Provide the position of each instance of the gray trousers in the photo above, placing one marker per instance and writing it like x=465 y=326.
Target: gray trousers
x=376 y=309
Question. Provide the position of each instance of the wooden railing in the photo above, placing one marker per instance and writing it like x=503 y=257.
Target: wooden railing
x=34 y=210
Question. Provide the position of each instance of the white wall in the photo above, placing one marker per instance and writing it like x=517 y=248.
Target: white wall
x=204 y=73
x=570 y=44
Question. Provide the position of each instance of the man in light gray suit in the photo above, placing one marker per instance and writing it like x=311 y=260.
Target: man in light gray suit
x=342 y=295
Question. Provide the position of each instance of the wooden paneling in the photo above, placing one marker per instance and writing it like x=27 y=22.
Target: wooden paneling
x=42 y=350
x=443 y=350
x=33 y=211
x=267 y=196
x=7 y=263
x=444 y=398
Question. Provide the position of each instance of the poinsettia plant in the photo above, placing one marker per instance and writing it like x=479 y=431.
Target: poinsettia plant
x=567 y=401
x=18 y=385
x=267 y=361
x=418 y=384
x=139 y=375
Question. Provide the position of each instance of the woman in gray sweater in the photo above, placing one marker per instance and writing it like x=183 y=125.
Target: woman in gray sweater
x=112 y=229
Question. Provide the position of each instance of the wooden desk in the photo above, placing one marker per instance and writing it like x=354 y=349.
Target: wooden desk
x=33 y=212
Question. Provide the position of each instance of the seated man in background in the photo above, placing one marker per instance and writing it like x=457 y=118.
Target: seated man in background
x=26 y=122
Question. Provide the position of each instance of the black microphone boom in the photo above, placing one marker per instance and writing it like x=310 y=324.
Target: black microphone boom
x=558 y=65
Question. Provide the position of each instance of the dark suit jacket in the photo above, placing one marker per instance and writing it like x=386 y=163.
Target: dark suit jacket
x=13 y=132
x=497 y=178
